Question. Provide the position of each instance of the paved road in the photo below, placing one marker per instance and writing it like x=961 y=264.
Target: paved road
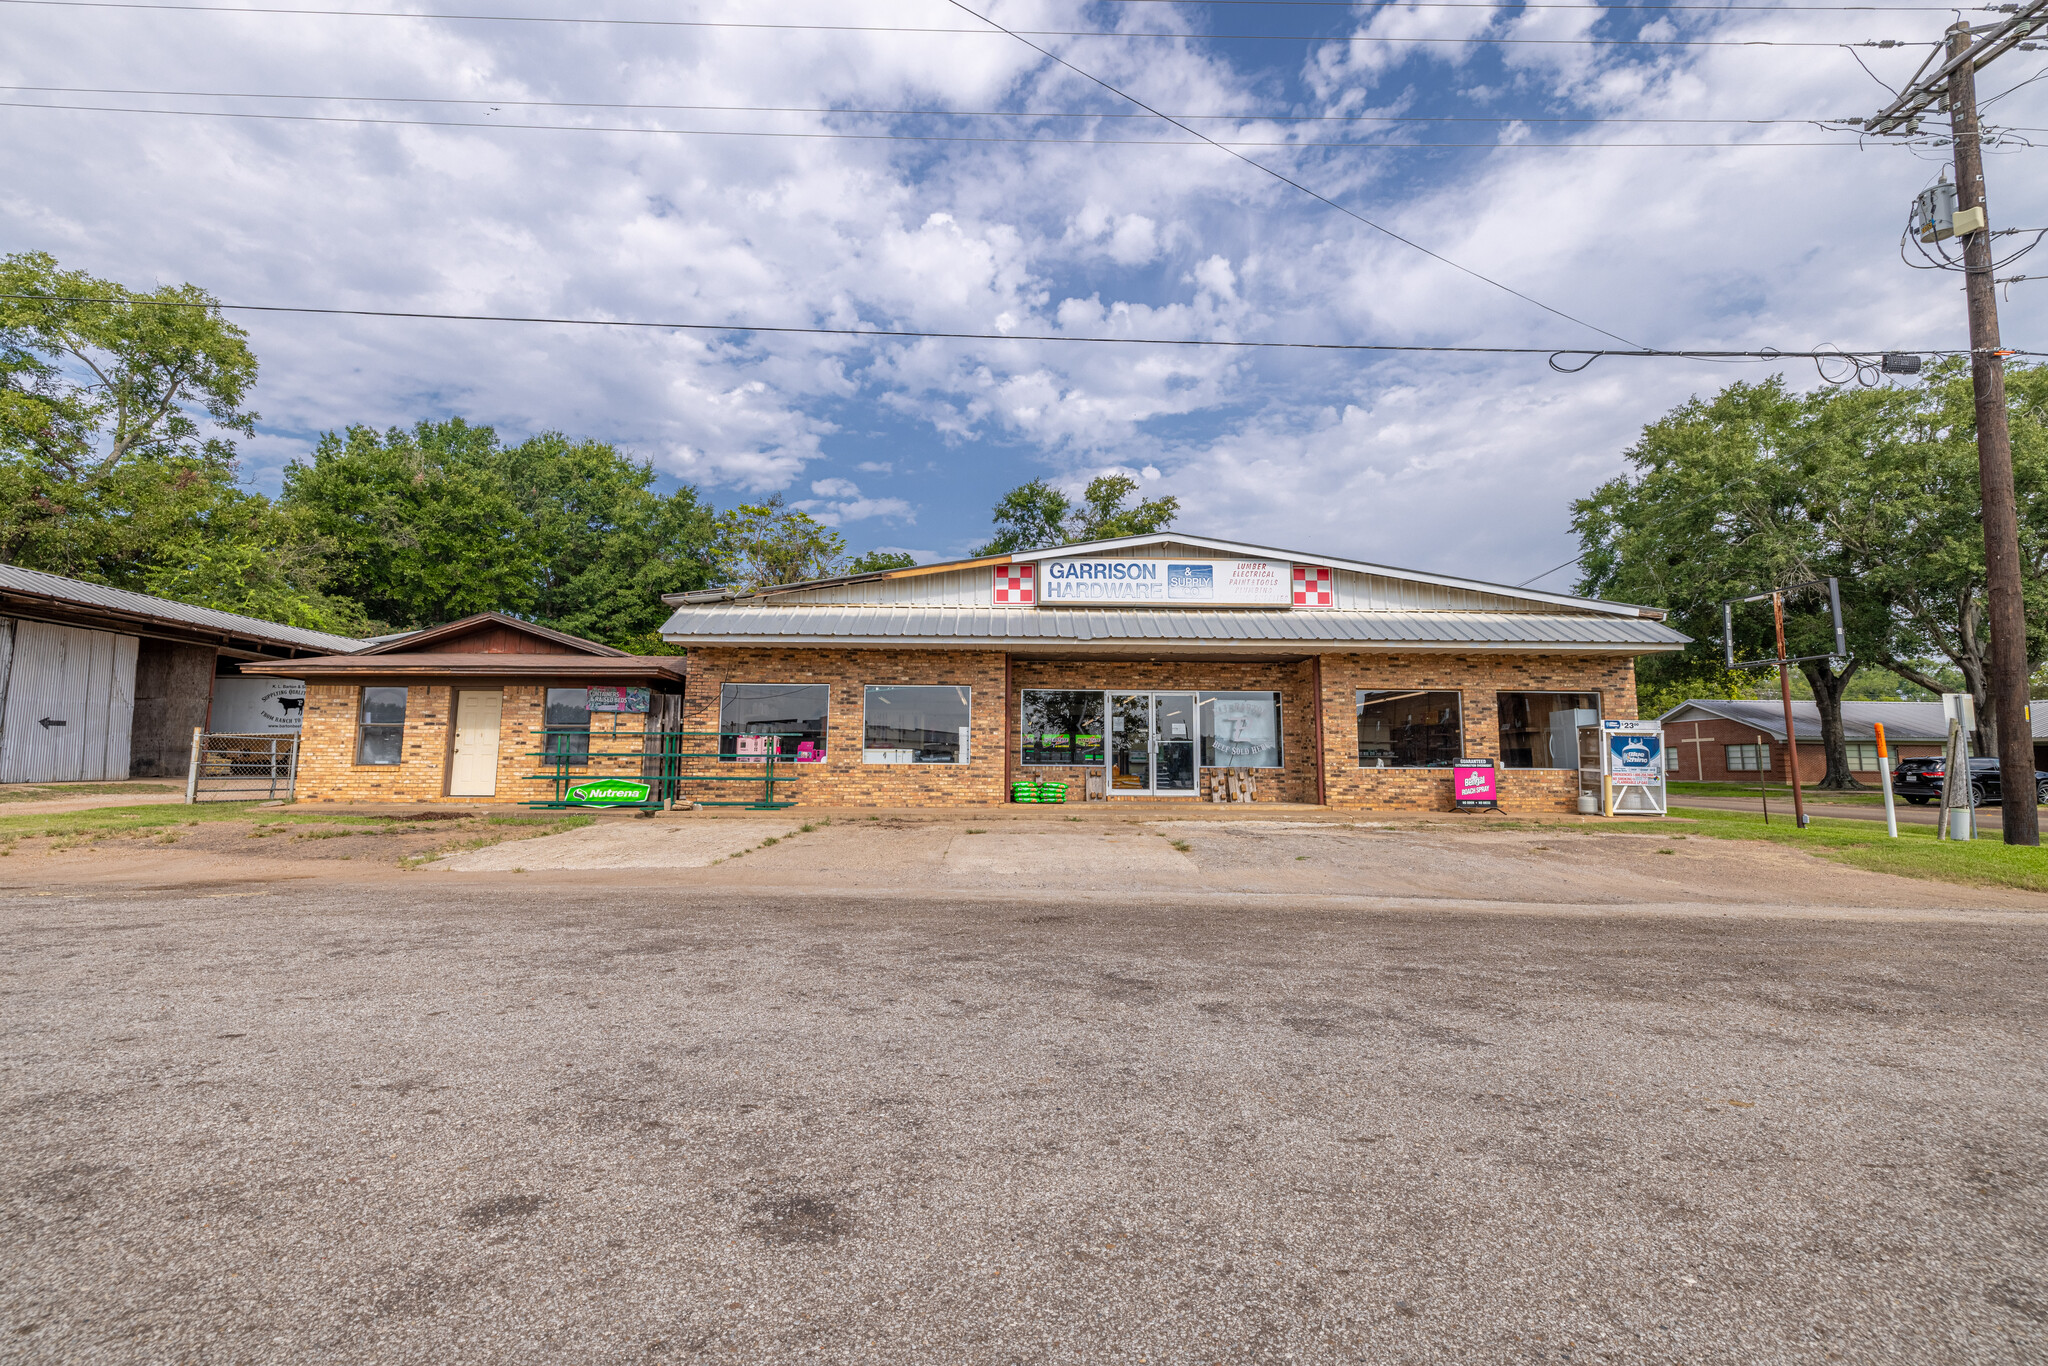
x=434 y=1120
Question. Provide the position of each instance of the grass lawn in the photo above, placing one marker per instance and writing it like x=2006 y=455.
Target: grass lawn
x=1778 y=792
x=1864 y=844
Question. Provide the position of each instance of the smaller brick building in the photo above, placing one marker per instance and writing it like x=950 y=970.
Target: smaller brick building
x=1715 y=740
x=483 y=709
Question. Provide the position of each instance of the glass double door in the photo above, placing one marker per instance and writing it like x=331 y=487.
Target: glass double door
x=1152 y=743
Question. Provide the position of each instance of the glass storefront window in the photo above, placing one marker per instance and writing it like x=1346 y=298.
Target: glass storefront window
x=1541 y=729
x=794 y=713
x=1408 y=728
x=380 y=726
x=916 y=725
x=1240 y=729
x=1062 y=726
x=568 y=709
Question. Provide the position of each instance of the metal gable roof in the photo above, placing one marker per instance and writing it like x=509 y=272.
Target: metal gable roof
x=56 y=589
x=938 y=584
x=748 y=622
x=1913 y=722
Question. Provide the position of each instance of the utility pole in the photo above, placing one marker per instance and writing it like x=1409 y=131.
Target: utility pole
x=1791 y=736
x=1955 y=84
x=2021 y=815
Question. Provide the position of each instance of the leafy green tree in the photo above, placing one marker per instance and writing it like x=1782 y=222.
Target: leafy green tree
x=1029 y=517
x=1727 y=498
x=424 y=522
x=247 y=557
x=444 y=520
x=1909 y=520
x=117 y=425
x=609 y=545
x=1877 y=487
x=767 y=543
x=1106 y=513
x=1036 y=515
x=875 y=561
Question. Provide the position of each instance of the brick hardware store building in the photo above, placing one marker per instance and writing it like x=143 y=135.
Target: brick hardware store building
x=1156 y=666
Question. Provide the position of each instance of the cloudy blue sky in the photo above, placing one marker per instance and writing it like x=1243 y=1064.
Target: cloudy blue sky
x=413 y=175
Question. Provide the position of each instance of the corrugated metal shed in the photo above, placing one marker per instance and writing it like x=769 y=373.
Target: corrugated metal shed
x=743 y=622
x=56 y=589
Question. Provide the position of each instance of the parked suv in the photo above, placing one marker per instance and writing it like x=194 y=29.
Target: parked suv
x=1919 y=781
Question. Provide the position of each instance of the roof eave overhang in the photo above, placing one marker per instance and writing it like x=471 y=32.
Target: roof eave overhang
x=502 y=668
x=1146 y=645
x=63 y=612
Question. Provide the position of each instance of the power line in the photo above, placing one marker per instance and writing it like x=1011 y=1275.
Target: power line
x=1767 y=354
x=827 y=135
x=913 y=113
x=1494 y=4
x=1264 y=169
x=965 y=32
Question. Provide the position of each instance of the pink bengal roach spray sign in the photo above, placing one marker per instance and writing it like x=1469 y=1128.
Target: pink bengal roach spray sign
x=1474 y=785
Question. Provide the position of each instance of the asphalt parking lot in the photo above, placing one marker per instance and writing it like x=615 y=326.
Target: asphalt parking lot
x=431 y=1120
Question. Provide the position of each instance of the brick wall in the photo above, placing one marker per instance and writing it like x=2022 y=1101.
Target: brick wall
x=843 y=779
x=328 y=771
x=1707 y=761
x=1477 y=679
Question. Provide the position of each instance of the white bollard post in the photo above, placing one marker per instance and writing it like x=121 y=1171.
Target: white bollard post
x=1884 y=769
x=192 y=772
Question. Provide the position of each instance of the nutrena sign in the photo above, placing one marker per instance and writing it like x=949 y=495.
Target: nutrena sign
x=608 y=792
x=1167 y=583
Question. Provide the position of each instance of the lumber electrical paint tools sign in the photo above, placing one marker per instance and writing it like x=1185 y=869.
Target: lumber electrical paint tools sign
x=608 y=792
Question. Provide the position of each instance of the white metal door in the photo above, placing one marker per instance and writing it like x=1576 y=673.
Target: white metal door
x=70 y=705
x=474 y=770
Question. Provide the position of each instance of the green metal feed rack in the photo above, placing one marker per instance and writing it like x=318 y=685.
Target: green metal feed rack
x=662 y=755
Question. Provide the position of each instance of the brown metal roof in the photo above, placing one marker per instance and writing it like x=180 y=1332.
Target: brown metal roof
x=618 y=669
x=419 y=640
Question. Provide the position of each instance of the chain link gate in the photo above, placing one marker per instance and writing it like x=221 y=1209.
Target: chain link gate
x=242 y=768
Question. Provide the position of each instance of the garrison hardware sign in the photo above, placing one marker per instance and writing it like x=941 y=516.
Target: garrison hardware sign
x=608 y=792
x=1166 y=583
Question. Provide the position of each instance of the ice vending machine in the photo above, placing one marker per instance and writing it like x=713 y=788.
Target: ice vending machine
x=1621 y=766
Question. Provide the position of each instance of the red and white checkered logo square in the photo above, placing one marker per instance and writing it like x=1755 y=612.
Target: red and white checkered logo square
x=1312 y=586
x=1016 y=585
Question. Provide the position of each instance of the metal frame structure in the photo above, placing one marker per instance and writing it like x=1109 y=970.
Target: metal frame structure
x=242 y=767
x=661 y=754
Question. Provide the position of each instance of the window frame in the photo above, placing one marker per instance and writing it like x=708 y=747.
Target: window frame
x=363 y=727
x=1499 y=738
x=1862 y=748
x=1759 y=754
x=966 y=742
x=1101 y=696
x=548 y=748
x=823 y=744
x=1204 y=696
x=1445 y=767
